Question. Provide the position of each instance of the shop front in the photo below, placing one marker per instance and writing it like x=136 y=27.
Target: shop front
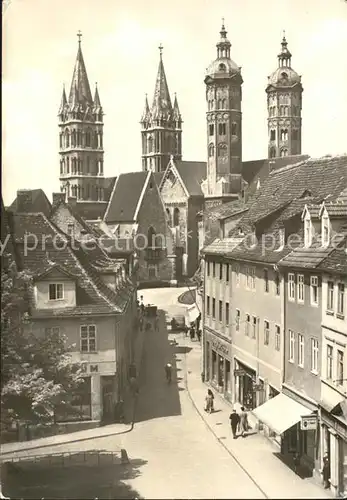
x=333 y=429
x=246 y=385
x=218 y=363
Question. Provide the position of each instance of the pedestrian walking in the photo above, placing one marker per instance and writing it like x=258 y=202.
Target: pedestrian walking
x=168 y=372
x=326 y=471
x=192 y=333
x=234 y=422
x=198 y=334
x=244 y=426
x=296 y=460
x=209 y=401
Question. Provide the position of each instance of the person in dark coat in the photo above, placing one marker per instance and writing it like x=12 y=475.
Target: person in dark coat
x=192 y=333
x=234 y=422
x=326 y=470
x=198 y=333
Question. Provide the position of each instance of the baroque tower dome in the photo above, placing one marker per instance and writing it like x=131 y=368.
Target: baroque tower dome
x=223 y=64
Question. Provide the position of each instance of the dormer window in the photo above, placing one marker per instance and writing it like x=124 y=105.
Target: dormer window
x=56 y=291
x=325 y=230
x=222 y=67
x=307 y=230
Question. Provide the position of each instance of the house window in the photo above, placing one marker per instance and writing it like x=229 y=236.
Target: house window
x=214 y=308
x=325 y=230
x=221 y=271
x=252 y=278
x=307 y=231
x=277 y=284
x=237 y=320
x=266 y=332
x=237 y=275
x=301 y=350
x=314 y=290
x=213 y=269
x=314 y=355
x=330 y=296
x=207 y=305
x=301 y=288
x=88 y=338
x=291 y=346
x=227 y=273
x=220 y=312
x=53 y=331
x=339 y=371
x=329 y=362
x=247 y=323
x=227 y=313
x=266 y=280
x=277 y=337
x=56 y=291
x=291 y=286
x=211 y=129
x=254 y=327
x=221 y=129
x=341 y=299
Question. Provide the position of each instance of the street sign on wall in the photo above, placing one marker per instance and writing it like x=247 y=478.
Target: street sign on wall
x=309 y=423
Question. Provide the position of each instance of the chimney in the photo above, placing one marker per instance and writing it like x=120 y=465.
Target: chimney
x=72 y=200
x=58 y=198
x=24 y=200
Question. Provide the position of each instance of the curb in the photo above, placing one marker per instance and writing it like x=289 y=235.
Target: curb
x=202 y=416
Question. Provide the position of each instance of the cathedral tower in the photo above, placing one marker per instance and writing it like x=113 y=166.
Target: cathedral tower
x=81 y=138
x=224 y=124
x=284 y=102
x=161 y=126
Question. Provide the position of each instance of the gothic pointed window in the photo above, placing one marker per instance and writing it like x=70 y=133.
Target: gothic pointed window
x=73 y=138
x=101 y=167
x=150 y=144
x=88 y=138
x=168 y=216
x=67 y=138
x=68 y=165
x=224 y=102
x=60 y=140
x=221 y=128
x=272 y=135
x=211 y=150
x=222 y=149
x=151 y=237
x=211 y=129
x=284 y=152
x=234 y=128
x=176 y=217
x=61 y=167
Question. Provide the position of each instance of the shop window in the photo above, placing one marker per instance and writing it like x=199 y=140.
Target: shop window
x=227 y=376
x=266 y=332
x=220 y=311
x=277 y=337
x=214 y=366
x=220 y=371
x=213 y=308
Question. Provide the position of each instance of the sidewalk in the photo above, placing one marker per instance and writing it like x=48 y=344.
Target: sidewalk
x=255 y=453
x=24 y=448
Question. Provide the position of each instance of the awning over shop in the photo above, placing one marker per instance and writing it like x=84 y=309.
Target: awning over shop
x=331 y=399
x=192 y=313
x=280 y=413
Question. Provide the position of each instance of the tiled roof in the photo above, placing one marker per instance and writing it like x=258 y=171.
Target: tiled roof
x=92 y=295
x=158 y=177
x=39 y=202
x=323 y=178
x=337 y=209
x=90 y=210
x=192 y=174
x=125 y=197
x=254 y=168
x=221 y=246
x=91 y=229
x=336 y=262
x=226 y=210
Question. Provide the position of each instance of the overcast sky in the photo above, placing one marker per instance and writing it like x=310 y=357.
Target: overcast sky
x=120 y=47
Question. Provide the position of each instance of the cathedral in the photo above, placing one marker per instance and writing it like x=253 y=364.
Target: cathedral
x=189 y=189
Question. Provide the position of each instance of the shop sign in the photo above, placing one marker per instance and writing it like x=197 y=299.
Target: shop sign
x=102 y=368
x=309 y=423
x=219 y=346
x=239 y=373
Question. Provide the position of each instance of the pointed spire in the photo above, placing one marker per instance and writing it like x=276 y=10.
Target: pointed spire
x=161 y=106
x=176 y=110
x=80 y=79
x=97 y=103
x=223 y=46
x=63 y=101
x=146 y=115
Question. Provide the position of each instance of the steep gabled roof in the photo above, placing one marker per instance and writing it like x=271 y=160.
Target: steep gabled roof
x=93 y=296
x=192 y=174
x=253 y=169
x=39 y=202
x=126 y=196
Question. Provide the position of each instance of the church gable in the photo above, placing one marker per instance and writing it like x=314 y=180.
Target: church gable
x=172 y=188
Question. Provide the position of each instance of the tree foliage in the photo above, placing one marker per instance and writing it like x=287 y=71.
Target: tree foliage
x=37 y=377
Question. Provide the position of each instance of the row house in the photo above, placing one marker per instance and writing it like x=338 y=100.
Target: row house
x=78 y=292
x=267 y=321
x=316 y=327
